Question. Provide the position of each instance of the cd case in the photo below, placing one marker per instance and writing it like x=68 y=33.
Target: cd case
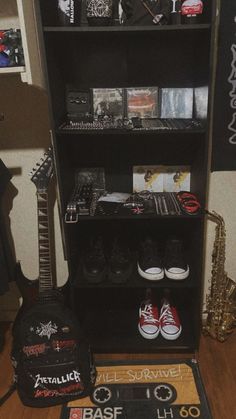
x=142 y=102
x=201 y=102
x=161 y=178
x=177 y=103
x=108 y=102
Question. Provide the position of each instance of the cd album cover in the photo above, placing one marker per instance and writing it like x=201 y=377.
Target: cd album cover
x=142 y=102
x=176 y=103
x=108 y=102
x=161 y=178
x=201 y=102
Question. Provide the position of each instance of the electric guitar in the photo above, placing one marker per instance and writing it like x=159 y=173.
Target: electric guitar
x=51 y=358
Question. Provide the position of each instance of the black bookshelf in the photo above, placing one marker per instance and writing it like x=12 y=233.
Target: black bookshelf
x=129 y=56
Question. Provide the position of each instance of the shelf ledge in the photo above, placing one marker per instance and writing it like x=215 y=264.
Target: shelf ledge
x=202 y=26
x=9 y=70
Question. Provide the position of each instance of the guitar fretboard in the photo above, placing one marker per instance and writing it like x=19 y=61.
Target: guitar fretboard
x=45 y=273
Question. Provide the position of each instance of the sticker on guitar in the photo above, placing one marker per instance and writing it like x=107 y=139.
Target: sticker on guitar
x=46 y=329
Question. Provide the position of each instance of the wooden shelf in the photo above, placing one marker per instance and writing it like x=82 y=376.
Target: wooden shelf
x=135 y=281
x=136 y=217
x=12 y=70
x=164 y=28
x=21 y=14
x=193 y=127
x=130 y=132
x=174 y=56
x=116 y=330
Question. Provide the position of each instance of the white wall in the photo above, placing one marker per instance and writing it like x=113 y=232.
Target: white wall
x=222 y=199
x=24 y=136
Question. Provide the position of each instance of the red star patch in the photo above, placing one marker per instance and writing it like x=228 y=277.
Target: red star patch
x=137 y=210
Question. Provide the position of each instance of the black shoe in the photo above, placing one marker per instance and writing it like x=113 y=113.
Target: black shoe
x=175 y=263
x=94 y=261
x=120 y=262
x=150 y=265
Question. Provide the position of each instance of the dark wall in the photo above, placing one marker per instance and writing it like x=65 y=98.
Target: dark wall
x=224 y=118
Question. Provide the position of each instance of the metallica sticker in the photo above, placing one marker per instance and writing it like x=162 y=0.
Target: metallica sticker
x=54 y=386
x=224 y=117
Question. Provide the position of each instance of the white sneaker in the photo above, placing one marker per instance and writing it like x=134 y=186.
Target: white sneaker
x=175 y=264
x=150 y=264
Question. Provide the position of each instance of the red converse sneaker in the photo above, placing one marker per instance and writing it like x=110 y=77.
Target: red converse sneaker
x=170 y=326
x=148 y=325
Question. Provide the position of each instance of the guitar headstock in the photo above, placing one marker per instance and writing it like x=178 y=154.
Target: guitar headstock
x=42 y=174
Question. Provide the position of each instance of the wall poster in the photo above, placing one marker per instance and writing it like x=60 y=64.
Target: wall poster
x=224 y=116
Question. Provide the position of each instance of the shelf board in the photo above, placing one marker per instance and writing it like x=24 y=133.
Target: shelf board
x=10 y=70
x=134 y=281
x=116 y=330
x=129 y=132
x=165 y=28
x=137 y=217
x=133 y=131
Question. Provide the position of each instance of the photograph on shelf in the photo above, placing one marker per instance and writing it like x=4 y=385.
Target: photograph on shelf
x=161 y=178
x=177 y=103
x=142 y=102
x=108 y=102
x=91 y=175
x=11 y=50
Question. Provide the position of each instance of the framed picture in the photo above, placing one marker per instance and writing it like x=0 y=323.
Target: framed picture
x=142 y=102
x=161 y=178
x=108 y=102
x=177 y=103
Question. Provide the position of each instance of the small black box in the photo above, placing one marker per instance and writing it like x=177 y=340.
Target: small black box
x=78 y=105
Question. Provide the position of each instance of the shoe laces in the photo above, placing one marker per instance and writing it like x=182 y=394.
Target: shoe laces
x=167 y=314
x=149 y=313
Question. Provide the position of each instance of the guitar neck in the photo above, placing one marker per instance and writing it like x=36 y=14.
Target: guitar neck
x=45 y=271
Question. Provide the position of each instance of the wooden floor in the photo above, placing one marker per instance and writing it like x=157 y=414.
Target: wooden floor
x=217 y=364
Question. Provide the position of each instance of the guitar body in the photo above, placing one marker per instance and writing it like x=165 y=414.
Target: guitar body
x=29 y=289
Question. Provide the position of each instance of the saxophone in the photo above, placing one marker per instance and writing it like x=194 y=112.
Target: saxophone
x=221 y=299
